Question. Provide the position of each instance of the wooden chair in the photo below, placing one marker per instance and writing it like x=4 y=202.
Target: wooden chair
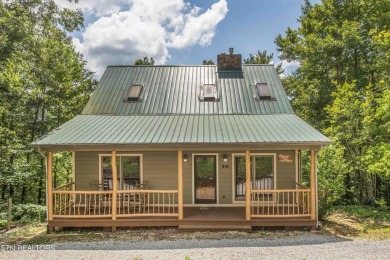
x=101 y=201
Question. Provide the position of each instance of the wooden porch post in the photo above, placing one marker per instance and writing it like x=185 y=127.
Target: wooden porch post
x=114 y=186
x=312 y=184
x=180 y=183
x=49 y=180
x=248 y=185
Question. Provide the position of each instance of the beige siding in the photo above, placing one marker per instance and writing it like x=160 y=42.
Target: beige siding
x=160 y=172
x=87 y=169
x=285 y=172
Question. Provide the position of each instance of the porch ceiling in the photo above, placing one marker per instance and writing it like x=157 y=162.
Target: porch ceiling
x=183 y=129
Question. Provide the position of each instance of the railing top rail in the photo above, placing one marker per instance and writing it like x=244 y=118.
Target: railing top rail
x=82 y=192
x=279 y=191
x=64 y=186
x=147 y=191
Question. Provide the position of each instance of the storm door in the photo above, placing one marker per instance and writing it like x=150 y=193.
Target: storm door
x=205 y=179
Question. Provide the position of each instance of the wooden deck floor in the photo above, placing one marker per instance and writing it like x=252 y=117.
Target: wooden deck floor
x=223 y=217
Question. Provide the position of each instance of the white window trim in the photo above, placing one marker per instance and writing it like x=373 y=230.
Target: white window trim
x=234 y=168
x=193 y=178
x=120 y=155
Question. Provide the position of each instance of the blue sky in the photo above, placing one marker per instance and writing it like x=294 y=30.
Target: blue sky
x=177 y=32
x=249 y=26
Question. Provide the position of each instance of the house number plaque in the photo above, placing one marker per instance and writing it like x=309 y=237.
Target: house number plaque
x=285 y=158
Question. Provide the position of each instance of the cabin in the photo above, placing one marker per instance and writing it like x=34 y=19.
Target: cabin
x=193 y=147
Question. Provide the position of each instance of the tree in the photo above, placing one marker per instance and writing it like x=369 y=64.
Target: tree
x=261 y=57
x=145 y=61
x=208 y=62
x=341 y=86
x=43 y=84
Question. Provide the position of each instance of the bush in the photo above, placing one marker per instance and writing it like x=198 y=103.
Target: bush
x=3 y=223
x=29 y=213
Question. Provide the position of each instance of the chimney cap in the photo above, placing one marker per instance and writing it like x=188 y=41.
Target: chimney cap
x=231 y=50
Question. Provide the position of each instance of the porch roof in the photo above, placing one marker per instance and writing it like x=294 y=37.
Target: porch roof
x=183 y=129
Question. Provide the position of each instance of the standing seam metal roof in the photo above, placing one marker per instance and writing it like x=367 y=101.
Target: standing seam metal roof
x=175 y=90
x=170 y=111
x=176 y=129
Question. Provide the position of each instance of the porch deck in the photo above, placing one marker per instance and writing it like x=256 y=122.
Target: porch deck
x=201 y=218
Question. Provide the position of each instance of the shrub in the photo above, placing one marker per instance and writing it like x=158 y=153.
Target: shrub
x=28 y=213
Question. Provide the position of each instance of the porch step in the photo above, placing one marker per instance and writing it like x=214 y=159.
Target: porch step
x=214 y=227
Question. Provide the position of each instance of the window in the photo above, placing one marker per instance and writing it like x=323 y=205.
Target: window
x=263 y=91
x=128 y=171
x=209 y=92
x=134 y=92
x=262 y=174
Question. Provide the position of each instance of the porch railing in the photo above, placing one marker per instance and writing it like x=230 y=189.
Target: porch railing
x=162 y=203
x=82 y=204
x=130 y=203
x=280 y=203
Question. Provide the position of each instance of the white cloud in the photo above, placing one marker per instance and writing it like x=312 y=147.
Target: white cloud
x=147 y=28
x=289 y=67
x=96 y=7
x=199 y=29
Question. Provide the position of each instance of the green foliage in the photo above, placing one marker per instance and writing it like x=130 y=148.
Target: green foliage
x=208 y=62
x=331 y=172
x=365 y=212
x=43 y=83
x=28 y=213
x=261 y=57
x=342 y=88
x=3 y=222
x=144 y=61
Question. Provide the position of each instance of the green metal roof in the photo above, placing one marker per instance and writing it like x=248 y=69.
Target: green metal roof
x=183 y=129
x=170 y=111
x=175 y=90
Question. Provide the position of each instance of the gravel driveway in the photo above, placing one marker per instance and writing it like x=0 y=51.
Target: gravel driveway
x=304 y=246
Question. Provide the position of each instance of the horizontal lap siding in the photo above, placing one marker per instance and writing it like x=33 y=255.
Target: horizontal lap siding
x=160 y=170
x=87 y=169
x=225 y=180
x=285 y=172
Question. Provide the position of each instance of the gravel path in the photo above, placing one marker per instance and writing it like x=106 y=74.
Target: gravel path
x=307 y=246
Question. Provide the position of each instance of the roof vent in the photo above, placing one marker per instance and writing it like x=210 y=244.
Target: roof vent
x=226 y=62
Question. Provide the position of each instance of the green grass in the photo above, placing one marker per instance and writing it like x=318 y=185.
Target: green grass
x=359 y=221
x=365 y=212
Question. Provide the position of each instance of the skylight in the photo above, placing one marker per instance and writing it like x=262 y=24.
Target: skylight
x=263 y=91
x=134 y=92
x=209 y=92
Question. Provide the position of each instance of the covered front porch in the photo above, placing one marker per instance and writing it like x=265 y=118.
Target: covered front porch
x=142 y=206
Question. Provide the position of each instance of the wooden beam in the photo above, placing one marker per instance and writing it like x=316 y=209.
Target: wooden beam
x=248 y=185
x=180 y=183
x=312 y=185
x=114 y=184
x=49 y=180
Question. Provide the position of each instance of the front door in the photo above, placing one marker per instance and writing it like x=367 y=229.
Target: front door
x=205 y=179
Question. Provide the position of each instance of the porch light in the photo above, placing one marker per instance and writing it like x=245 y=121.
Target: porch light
x=185 y=158
x=225 y=158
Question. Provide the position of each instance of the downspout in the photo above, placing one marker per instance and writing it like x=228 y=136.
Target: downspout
x=316 y=180
x=44 y=156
